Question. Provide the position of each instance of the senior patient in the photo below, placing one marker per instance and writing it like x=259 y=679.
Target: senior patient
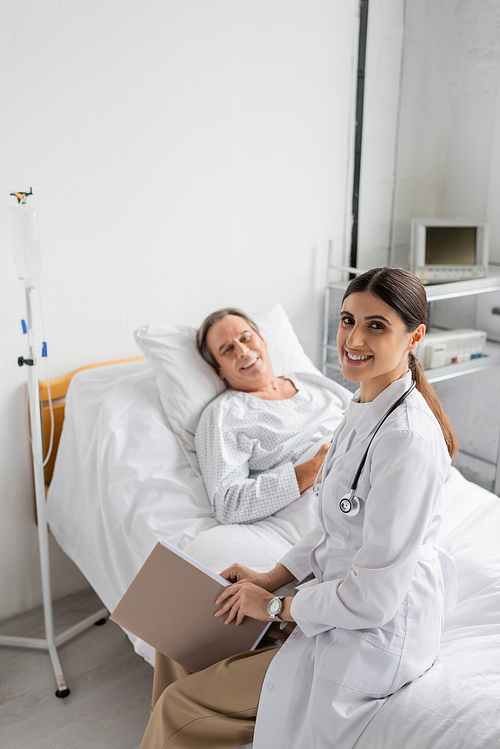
x=250 y=438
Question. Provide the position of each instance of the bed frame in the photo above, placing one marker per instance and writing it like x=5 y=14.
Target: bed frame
x=58 y=389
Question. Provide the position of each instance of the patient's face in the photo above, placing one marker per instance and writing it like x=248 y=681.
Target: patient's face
x=240 y=353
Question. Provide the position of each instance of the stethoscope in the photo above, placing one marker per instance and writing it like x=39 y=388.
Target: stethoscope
x=349 y=504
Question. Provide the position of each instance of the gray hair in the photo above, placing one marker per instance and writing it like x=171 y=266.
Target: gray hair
x=201 y=335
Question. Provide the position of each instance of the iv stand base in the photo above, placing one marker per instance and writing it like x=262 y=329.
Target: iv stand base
x=38 y=643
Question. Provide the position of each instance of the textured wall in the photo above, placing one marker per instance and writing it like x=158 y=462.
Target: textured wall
x=190 y=155
x=431 y=143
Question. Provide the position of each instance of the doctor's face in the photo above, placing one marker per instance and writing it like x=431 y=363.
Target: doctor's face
x=240 y=353
x=373 y=343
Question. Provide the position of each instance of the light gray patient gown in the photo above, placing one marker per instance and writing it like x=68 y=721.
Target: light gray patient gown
x=247 y=446
x=370 y=619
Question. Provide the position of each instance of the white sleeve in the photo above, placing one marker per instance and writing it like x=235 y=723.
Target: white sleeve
x=297 y=559
x=405 y=481
x=236 y=497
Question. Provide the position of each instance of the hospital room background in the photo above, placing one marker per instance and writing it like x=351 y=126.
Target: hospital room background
x=190 y=155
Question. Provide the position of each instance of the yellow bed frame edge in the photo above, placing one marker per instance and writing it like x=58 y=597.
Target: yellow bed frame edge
x=58 y=389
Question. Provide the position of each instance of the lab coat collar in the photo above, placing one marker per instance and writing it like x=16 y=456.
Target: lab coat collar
x=379 y=407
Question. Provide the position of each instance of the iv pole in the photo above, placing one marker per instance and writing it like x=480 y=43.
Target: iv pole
x=50 y=642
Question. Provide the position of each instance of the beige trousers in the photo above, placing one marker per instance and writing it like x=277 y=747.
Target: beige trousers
x=210 y=709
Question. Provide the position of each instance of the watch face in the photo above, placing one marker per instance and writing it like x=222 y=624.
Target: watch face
x=274 y=606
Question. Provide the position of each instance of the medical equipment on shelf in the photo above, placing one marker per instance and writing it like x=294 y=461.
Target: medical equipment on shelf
x=349 y=504
x=450 y=347
x=27 y=259
x=444 y=250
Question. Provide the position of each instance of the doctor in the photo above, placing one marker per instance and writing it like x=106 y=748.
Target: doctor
x=373 y=585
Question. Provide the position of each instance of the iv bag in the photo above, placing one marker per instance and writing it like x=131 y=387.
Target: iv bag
x=25 y=242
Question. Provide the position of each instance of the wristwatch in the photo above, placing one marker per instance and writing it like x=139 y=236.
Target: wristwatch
x=275 y=607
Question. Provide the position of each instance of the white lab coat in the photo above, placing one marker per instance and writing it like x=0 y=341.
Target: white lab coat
x=370 y=619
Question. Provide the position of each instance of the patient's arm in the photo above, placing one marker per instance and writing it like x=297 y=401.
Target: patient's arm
x=247 y=453
x=238 y=498
x=237 y=495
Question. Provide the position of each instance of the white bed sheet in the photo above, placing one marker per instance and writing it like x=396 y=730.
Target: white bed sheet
x=122 y=483
x=455 y=704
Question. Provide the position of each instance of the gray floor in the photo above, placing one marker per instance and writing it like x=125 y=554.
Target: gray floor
x=110 y=685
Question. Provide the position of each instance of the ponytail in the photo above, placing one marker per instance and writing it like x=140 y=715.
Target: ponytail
x=423 y=386
x=403 y=291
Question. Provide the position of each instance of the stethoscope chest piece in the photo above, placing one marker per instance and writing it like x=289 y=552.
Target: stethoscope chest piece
x=349 y=504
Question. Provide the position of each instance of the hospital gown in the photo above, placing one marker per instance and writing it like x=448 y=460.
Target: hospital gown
x=247 y=446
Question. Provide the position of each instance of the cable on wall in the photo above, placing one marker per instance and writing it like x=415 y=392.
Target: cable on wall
x=358 y=129
x=395 y=176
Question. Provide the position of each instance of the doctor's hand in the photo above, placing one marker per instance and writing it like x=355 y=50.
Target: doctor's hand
x=237 y=573
x=271 y=580
x=244 y=599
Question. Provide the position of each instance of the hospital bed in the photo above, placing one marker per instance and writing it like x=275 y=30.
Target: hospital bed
x=126 y=476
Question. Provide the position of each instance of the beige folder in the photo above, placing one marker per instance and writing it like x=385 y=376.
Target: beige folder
x=170 y=604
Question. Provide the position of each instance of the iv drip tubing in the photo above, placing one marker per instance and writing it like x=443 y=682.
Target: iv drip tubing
x=51 y=410
x=38 y=454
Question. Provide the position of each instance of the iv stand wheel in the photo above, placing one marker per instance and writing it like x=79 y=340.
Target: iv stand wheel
x=100 y=622
x=61 y=693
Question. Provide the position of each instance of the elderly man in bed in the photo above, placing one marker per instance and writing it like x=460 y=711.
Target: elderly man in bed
x=250 y=438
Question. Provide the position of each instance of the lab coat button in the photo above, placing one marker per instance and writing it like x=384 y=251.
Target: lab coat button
x=270 y=685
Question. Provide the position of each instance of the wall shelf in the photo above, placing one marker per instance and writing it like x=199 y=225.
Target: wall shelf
x=489 y=360
x=456 y=289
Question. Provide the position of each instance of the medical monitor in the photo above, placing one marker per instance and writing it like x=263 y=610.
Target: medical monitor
x=445 y=250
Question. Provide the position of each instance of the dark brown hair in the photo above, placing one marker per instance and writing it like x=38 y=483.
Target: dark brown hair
x=201 y=335
x=402 y=291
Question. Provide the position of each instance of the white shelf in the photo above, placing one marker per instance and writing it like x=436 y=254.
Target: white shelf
x=437 y=292
x=450 y=371
x=457 y=289
x=451 y=290
x=489 y=360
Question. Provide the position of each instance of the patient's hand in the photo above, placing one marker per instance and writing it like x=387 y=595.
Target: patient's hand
x=306 y=472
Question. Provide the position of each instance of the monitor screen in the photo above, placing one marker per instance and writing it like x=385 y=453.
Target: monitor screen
x=450 y=245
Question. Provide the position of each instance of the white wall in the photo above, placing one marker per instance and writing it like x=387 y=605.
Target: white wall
x=432 y=122
x=190 y=155
x=431 y=147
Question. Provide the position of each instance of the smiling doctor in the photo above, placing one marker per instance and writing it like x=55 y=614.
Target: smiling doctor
x=372 y=586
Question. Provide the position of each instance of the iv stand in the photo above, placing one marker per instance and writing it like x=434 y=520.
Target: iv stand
x=50 y=642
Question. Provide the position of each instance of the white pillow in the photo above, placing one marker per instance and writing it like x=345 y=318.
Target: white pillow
x=186 y=382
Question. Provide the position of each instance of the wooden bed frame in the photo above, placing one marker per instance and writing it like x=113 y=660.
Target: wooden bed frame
x=58 y=390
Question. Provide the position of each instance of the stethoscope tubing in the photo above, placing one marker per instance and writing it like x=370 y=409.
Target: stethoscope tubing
x=351 y=498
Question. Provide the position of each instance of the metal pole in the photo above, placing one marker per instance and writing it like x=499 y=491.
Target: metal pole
x=39 y=481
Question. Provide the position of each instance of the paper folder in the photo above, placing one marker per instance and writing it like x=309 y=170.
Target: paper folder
x=170 y=604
